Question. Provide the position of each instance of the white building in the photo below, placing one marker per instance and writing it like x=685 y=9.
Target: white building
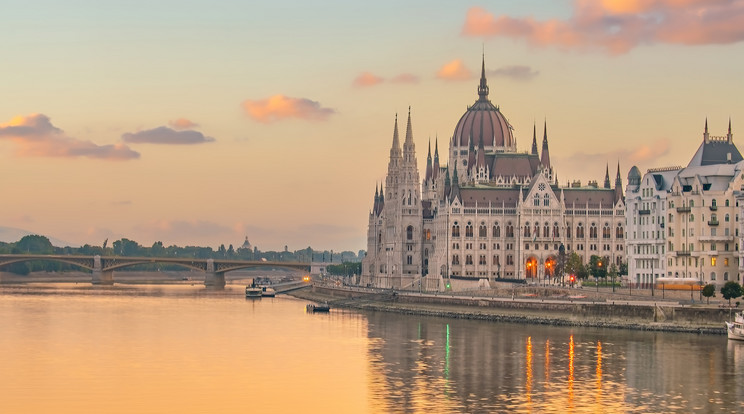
x=683 y=222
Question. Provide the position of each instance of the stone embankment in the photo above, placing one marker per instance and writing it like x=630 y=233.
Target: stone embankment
x=640 y=314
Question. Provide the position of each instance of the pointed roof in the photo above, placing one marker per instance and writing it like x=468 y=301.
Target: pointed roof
x=545 y=156
x=481 y=162
x=715 y=150
x=428 y=163
x=409 y=132
x=534 y=139
x=483 y=85
x=435 y=167
x=607 y=176
x=395 y=149
x=618 y=185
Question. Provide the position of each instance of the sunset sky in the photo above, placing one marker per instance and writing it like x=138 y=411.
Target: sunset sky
x=202 y=122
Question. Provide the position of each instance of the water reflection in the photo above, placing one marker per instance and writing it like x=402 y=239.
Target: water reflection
x=432 y=365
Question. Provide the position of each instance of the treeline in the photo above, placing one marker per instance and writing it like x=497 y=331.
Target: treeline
x=35 y=244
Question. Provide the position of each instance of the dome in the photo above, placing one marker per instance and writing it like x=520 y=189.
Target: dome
x=483 y=118
x=634 y=176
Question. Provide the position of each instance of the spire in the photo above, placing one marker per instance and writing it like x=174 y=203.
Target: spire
x=382 y=198
x=428 y=164
x=395 y=149
x=409 y=133
x=481 y=153
x=446 y=183
x=545 y=157
x=377 y=201
x=706 y=136
x=483 y=86
x=409 y=149
x=534 y=139
x=618 y=185
x=455 y=191
x=607 y=177
x=729 y=136
x=435 y=167
x=471 y=155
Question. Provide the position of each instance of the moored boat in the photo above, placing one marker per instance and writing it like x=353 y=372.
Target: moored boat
x=268 y=291
x=735 y=329
x=253 y=292
x=324 y=307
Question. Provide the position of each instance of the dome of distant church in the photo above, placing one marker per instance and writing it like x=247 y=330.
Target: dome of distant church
x=483 y=119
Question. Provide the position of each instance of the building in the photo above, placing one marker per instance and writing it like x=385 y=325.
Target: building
x=491 y=213
x=683 y=223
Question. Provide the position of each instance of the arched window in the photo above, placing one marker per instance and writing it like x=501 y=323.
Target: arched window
x=727 y=217
x=537 y=229
x=483 y=231
x=455 y=230
x=713 y=274
x=409 y=233
x=496 y=230
x=527 y=229
x=727 y=204
x=546 y=200
x=536 y=201
x=455 y=259
x=568 y=232
x=606 y=232
x=692 y=217
x=593 y=231
x=509 y=230
x=556 y=230
x=619 y=232
x=713 y=204
x=468 y=259
x=409 y=260
x=580 y=231
x=469 y=230
x=725 y=274
x=546 y=230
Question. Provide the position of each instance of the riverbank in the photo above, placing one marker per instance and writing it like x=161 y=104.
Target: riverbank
x=666 y=316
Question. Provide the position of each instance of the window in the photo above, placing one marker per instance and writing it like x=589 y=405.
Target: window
x=725 y=274
x=619 y=231
x=509 y=230
x=580 y=231
x=593 y=231
x=556 y=231
x=536 y=201
x=469 y=230
x=455 y=259
x=546 y=230
x=606 y=233
x=455 y=230
x=496 y=230
x=409 y=260
x=468 y=259
x=428 y=234
x=712 y=261
x=727 y=203
x=409 y=233
x=483 y=230
x=546 y=200
x=713 y=274
x=527 y=229
x=726 y=217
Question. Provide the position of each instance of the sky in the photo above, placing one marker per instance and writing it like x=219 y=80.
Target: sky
x=205 y=122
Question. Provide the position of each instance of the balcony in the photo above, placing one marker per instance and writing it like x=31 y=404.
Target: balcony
x=712 y=222
x=644 y=212
x=683 y=209
x=713 y=208
x=682 y=253
x=661 y=225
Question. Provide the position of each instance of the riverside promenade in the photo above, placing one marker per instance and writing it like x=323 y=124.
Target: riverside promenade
x=675 y=312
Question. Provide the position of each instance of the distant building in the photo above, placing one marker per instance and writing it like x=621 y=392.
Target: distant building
x=683 y=223
x=491 y=212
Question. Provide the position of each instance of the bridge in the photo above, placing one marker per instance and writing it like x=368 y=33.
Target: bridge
x=102 y=267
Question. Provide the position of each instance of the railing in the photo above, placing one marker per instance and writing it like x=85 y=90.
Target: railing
x=713 y=222
x=713 y=208
x=683 y=252
x=683 y=209
x=644 y=212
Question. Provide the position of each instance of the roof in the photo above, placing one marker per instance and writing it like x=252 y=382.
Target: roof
x=507 y=197
x=514 y=164
x=716 y=151
x=594 y=197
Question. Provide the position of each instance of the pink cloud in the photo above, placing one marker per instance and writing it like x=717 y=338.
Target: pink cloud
x=35 y=136
x=165 y=135
x=280 y=107
x=454 y=70
x=618 y=26
x=367 y=79
x=405 y=78
x=182 y=123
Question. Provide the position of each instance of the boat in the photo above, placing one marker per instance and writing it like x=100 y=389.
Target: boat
x=268 y=291
x=253 y=291
x=324 y=307
x=735 y=329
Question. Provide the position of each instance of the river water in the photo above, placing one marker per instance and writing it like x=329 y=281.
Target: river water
x=162 y=349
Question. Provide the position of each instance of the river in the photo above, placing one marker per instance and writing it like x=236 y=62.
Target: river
x=70 y=348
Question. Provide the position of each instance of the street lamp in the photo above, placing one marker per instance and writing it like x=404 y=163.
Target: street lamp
x=599 y=270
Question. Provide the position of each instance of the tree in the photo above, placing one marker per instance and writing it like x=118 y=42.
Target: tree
x=126 y=247
x=597 y=266
x=731 y=290
x=709 y=290
x=623 y=271
x=34 y=243
x=573 y=264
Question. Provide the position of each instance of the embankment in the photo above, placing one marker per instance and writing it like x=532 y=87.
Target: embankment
x=640 y=315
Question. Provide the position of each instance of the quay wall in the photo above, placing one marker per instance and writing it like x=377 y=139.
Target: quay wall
x=640 y=315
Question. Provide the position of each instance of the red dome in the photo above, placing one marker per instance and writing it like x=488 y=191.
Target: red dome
x=486 y=119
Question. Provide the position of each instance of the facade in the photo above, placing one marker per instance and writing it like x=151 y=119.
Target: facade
x=683 y=223
x=491 y=213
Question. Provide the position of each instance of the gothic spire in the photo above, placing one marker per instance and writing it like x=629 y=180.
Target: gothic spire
x=395 y=149
x=545 y=157
x=435 y=167
x=607 y=177
x=483 y=86
x=534 y=139
x=706 y=136
x=428 y=163
x=618 y=185
x=729 y=136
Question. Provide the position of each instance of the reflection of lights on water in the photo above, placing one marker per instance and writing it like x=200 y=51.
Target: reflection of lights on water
x=547 y=361
x=447 y=354
x=570 y=371
x=599 y=372
x=529 y=370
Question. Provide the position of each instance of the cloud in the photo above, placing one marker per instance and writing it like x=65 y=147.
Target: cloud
x=182 y=123
x=618 y=26
x=165 y=135
x=516 y=72
x=645 y=155
x=280 y=107
x=35 y=136
x=454 y=70
x=405 y=78
x=367 y=79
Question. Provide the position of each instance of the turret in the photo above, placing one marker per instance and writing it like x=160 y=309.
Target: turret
x=534 y=139
x=618 y=185
x=428 y=176
x=729 y=136
x=607 y=177
x=545 y=157
x=435 y=168
x=706 y=136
